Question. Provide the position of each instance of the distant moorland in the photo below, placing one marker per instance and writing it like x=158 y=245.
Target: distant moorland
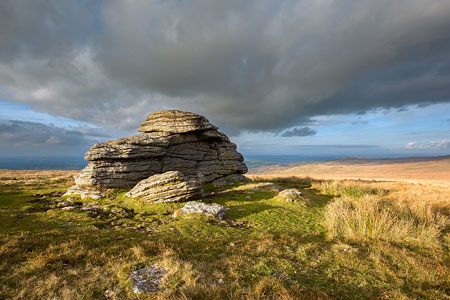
x=430 y=169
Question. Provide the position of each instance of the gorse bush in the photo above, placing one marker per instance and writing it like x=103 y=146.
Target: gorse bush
x=371 y=218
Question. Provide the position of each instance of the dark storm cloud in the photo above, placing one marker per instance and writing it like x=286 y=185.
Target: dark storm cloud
x=304 y=131
x=252 y=65
x=15 y=133
x=37 y=138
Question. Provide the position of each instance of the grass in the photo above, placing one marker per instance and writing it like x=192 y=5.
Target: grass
x=350 y=188
x=370 y=218
x=345 y=243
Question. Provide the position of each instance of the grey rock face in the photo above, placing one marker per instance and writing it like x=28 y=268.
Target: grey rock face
x=172 y=141
x=167 y=187
x=213 y=209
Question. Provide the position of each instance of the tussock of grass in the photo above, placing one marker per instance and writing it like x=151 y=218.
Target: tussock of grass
x=372 y=218
x=350 y=188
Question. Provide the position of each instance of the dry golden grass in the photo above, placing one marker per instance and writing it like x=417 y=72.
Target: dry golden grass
x=396 y=212
x=372 y=218
x=436 y=196
x=34 y=177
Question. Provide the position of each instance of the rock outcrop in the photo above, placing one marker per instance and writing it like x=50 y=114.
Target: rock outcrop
x=172 y=140
x=167 y=187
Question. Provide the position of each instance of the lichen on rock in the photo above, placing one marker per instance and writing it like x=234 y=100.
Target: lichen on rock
x=147 y=279
x=210 y=209
x=291 y=195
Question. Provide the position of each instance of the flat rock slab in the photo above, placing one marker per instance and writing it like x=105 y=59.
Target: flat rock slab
x=170 y=186
x=291 y=195
x=213 y=209
x=147 y=279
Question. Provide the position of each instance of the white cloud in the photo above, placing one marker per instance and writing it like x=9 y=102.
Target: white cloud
x=444 y=144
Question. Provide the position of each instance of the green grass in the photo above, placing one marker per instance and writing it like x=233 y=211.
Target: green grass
x=266 y=249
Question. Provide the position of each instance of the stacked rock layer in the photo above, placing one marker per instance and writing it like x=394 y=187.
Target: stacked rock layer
x=172 y=140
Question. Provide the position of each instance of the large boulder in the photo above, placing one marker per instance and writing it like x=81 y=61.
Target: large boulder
x=172 y=140
x=167 y=187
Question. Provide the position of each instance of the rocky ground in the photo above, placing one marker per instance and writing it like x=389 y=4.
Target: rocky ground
x=264 y=245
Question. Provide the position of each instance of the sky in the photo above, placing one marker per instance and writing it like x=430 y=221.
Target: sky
x=308 y=77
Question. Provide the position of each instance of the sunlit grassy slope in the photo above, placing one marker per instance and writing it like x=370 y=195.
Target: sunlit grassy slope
x=325 y=247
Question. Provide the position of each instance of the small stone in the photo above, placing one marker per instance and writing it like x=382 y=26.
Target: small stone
x=147 y=279
x=109 y=294
x=291 y=195
x=232 y=244
x=213 y=209
x=220 y=281
x=68 y=208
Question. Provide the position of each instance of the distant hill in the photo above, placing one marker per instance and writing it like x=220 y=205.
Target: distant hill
x=399 y=169
x=357 y=160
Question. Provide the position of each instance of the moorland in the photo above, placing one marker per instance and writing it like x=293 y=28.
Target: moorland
x=355 y=235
